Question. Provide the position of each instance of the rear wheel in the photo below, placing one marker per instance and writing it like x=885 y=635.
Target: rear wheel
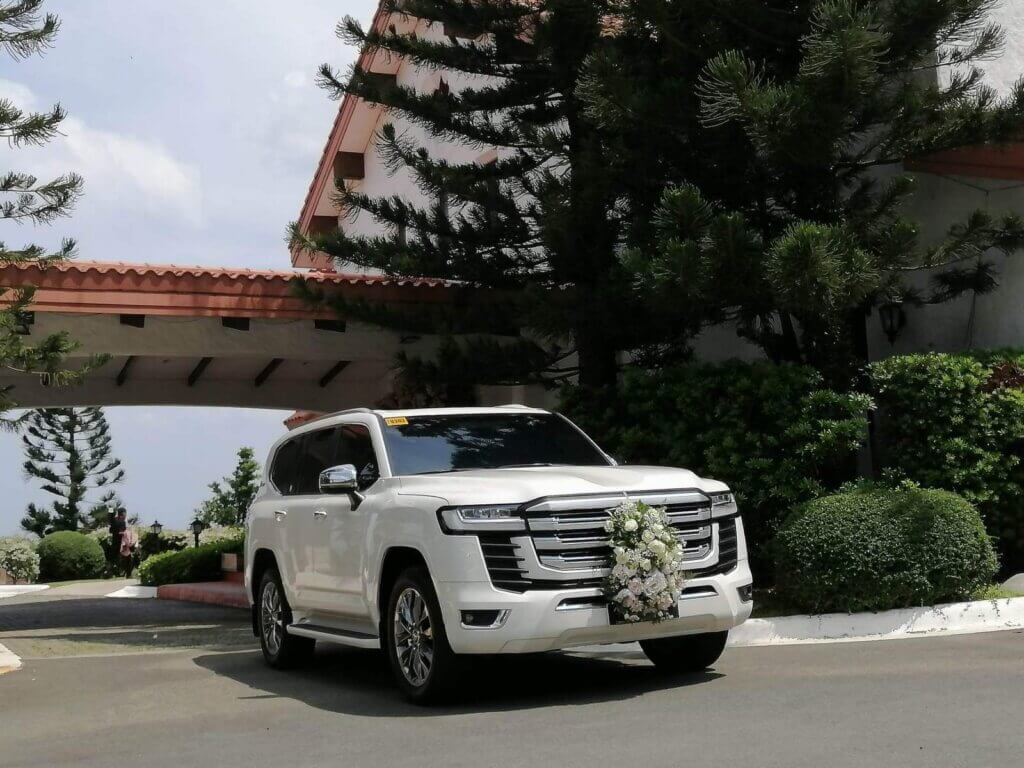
x=422 y=662
x=688 y=653
x=273 y=614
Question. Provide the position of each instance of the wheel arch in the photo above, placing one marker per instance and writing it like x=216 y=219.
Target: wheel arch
x=396 y=559
x=262 y=559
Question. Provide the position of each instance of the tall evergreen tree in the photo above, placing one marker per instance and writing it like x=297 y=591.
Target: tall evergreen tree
x=229 y=502
x=779 y=129
x=24 y=31
x=68 y=450
x=538 y=225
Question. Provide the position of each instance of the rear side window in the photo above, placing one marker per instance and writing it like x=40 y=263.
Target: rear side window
x=318 y=450
x=282 y=472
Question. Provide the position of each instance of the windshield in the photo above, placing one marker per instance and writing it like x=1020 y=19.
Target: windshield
x=423 y=444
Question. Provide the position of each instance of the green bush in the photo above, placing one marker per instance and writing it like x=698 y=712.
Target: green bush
x=772 y=432
x=18 y=558
x=200 y=563
x=875 y=549
x=166 y=541
x=66 y=555
x=957 y=422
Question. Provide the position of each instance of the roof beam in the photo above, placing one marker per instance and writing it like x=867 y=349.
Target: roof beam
x=122 y=376
x=350 y=166
x=198 y=370
x=335 y=369
x=270 y=367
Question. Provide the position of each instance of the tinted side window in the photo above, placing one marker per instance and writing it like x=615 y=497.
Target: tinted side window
x=317 y=455
x=282 y=472
x=355 y=447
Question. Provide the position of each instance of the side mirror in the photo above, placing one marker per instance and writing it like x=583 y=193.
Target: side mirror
x=340 y=479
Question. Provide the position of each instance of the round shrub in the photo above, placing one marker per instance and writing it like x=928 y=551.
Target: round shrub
x=19 y=559
x=66 y=555
x=874 y=549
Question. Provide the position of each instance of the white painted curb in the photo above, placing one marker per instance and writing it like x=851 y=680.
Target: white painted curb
x=134 y=591
x=8 y=661
x=13 y=590
x=950 y=619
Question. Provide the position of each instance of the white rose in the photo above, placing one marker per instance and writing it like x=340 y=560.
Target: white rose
x=648 y=537
x=630 y=525
x=645 y=564
x=658 y=547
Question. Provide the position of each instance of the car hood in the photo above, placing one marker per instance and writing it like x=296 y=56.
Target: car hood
x=518 y=485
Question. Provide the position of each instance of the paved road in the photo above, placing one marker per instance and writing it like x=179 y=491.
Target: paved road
x=206 y=699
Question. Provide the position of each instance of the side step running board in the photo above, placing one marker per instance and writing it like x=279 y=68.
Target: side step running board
x=332 y=635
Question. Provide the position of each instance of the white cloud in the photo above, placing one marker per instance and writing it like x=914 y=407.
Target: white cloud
x=123 y=172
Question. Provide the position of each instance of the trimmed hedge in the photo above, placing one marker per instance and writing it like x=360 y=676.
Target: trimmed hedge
x=18 y=558
x=874 y=549
x=200 y=563
x=67 y=555
x=772 y=432
x=957 y=422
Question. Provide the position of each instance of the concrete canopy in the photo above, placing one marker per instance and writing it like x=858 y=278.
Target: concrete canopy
x=223 y=337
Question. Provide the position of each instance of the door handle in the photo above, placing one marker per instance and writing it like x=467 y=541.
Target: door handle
x=319 y=513
x=280 y=514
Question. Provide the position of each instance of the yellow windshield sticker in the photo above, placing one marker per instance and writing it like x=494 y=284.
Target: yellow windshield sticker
x=396 y=421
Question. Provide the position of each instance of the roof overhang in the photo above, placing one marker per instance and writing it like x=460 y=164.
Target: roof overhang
x=351 y=135
x=84 y=287
x=982 y=161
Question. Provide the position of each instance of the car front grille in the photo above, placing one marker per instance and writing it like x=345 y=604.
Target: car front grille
x=572 y=543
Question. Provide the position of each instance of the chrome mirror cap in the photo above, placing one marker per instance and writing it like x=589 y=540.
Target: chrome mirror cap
x=340 y=479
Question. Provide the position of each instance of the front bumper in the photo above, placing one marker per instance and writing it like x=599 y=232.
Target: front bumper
x=541 y=621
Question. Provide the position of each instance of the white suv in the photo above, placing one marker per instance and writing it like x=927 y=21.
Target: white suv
x=439 y=532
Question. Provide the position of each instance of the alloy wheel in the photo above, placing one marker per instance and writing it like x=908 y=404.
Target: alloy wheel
x=414 y=636
x=271 y=620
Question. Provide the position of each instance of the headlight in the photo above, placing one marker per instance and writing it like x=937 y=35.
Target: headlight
x=491 y=517
x=723 y=504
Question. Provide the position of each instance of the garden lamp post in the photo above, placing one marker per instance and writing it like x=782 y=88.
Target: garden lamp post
x=197 y=528
x=156 y=527
x=893 y=319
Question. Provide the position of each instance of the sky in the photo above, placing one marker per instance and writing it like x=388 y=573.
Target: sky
x=197 y=127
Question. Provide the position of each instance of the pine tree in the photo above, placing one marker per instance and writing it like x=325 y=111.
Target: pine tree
x=765 y=140
x=229 y=503
x=537 y=226
x=69 y=451
x=25 y=199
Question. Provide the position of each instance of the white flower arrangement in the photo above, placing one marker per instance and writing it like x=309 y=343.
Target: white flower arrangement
x=647 y=575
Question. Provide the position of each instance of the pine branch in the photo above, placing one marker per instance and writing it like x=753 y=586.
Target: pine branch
x=40 y=203
x=22 y=30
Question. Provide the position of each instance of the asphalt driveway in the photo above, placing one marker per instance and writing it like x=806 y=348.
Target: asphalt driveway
x=122 y=682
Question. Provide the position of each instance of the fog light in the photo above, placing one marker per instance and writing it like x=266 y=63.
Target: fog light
x=483 y=619
x=746 y=592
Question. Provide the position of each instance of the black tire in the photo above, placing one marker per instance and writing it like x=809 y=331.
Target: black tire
x=280 y=650
x=426 y=641
x=685 y=654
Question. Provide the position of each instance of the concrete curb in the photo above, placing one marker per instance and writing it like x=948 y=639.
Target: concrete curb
x=134 y=591
x=8 y=660
x=13 y=590
x=950 y=619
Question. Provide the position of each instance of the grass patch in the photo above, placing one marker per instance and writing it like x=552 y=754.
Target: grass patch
x=767 y=604
x=994 y=592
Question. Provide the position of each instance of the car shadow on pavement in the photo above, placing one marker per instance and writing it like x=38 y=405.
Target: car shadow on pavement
x=358 y=682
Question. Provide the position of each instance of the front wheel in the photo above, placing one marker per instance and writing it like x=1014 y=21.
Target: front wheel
x=685 y=654
x=422 y=662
